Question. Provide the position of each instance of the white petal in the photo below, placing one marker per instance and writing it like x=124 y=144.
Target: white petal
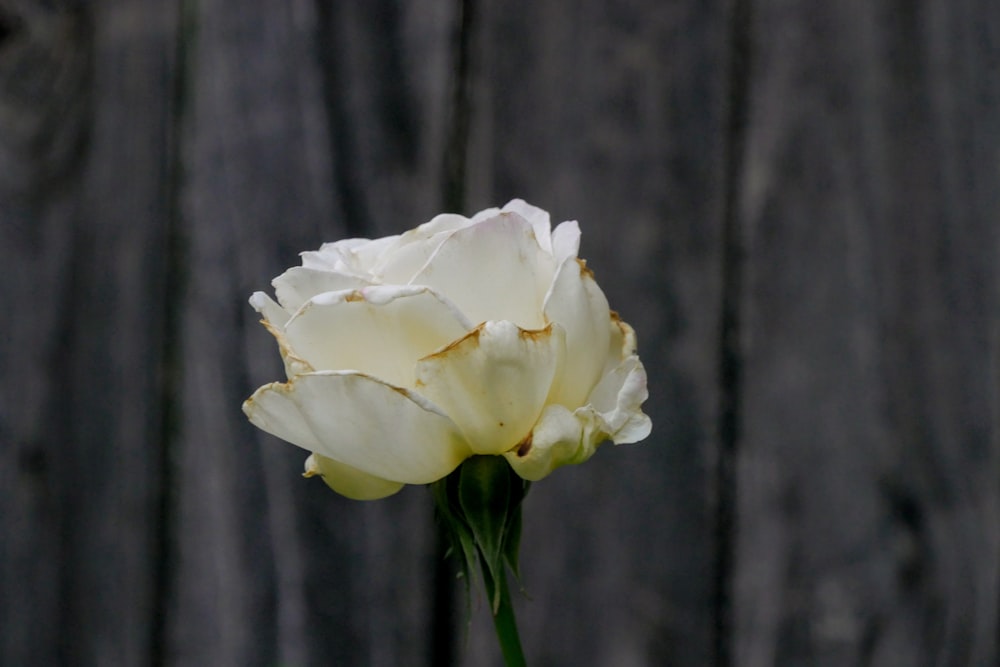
x=560 y=438
x=271 y=311
x=364 y=256
x=381 y=331
x=565 y=241
x=349 y=256
x=539 y=219
x=494 y=270
x=299 y=284
x=399 y=266
x=347 y=481
x=294 y=364
x=446 y=222
x=494 y=382
x=485 y=214
x=577 y=303
x=331 y=256
x=618 y=398
x=362 y=422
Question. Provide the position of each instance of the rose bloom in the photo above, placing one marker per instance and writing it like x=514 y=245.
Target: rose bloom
x=407 y=354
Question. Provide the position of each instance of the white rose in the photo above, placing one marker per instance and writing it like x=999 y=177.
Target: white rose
x=407 y=354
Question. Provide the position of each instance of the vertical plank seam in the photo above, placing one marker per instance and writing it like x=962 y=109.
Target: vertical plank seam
x=443 y=646
x=730 y=368
x=356 y=217
x=171 y=370
x=457 y=143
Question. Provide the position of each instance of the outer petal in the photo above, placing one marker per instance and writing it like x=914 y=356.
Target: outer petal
x=348 y=481
x=565 y=241
x=540 y=221
x=299 y=284
x=562 y=437
x=559 y=438
x=272 y=312
x=334 y=256
x=578 y=304
x=494 y=270
x=494 y=382
x=618 y=399
x=381 y=331
x=362 y=422
x=294 y=364
x=399 y=266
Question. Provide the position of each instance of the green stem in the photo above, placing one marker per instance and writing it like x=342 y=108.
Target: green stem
x=506 y=627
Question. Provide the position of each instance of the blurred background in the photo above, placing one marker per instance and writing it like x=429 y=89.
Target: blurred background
x=795 y=204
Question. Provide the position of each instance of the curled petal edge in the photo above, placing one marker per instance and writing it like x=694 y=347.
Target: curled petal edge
x=563 y=437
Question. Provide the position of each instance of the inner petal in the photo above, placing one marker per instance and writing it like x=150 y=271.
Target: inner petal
x=494 y=382
x=578 y=304
x=381 y=331
x=493 y=270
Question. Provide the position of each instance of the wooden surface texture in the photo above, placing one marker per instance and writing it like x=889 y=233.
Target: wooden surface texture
x=796 y=205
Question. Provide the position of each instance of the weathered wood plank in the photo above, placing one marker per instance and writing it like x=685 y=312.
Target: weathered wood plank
x=869 y=438
x=301 y=127
x=868 y=485
x=613 y=115
x=85 y=190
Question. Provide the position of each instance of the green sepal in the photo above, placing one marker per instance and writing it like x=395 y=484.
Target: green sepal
x=480 y=506
x=512 y=534
x=484 y=491
x=462 y=543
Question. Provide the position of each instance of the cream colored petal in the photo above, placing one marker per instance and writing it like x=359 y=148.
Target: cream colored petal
x=299 y=284
x=399 y=266
x=271 y=311
x=364 y=256
x=494 y=270
x=565 y=241
x=333 y=256
x=494 y=382
x=446 y=222
x=347 y=481
x=294 y=364
x=563 y=437
x=539 y=219
x=381 y=330
x=577 y=303
x=414 y=248
x=485 y=214
x=362 y=422
x=618 y=399
x=560 y=437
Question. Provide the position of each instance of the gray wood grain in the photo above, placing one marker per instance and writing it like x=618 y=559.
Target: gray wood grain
x=86 y=149
x=868 y=485
x=288 y=142
x=158 y=163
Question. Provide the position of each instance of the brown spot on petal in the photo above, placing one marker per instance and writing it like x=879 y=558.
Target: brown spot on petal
x=355 y=296
x=524 y=446
x=584 y=269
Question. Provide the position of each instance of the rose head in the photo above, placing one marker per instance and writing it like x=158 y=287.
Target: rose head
x=406 y=355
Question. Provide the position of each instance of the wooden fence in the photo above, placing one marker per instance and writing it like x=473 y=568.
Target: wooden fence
x=796 y=204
